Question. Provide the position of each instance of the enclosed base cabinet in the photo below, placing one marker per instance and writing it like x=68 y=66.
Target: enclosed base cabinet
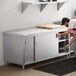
x=29 y=46
x=46 y=46
x=18 y=49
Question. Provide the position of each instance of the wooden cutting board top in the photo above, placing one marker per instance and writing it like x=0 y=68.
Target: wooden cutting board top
x=50 y=26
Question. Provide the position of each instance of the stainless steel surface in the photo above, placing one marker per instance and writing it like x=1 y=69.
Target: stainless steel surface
x=30 y=46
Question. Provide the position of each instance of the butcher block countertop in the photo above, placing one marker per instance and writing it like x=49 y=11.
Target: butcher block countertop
x=50 y=26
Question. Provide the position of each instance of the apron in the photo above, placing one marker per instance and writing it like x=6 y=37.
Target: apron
x=73 y=46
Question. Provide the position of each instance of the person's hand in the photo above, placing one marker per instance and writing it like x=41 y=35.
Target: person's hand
x=67 y=46
x=58 y=35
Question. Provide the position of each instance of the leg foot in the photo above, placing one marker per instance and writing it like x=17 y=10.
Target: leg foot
x=23 y=67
